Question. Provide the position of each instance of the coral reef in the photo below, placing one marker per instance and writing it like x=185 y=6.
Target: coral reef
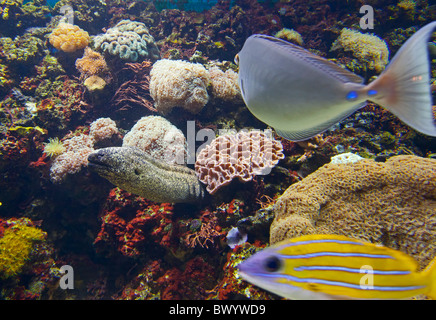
x=56 y=107
x=130 y=40
x=242 y=155
x=391 y=203
x=68 y=37
x=369 y=49
x=157 y=137
x=178 y=84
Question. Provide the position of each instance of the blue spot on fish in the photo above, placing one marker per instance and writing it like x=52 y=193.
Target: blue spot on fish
x=372 y=92
x=352 y=95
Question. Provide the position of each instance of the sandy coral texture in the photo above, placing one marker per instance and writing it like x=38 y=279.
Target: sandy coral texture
x=391 y=203
x=177 y=83
x=242 y=155
x=68 y=37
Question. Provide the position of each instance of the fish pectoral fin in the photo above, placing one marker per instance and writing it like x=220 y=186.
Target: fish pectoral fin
x=300 y=135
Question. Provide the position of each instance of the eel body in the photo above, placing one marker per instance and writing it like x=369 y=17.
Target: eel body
x=136 y=172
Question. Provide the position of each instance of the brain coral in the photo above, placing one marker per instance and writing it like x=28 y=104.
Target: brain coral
x=159 y=138
x=130 y=40
x=243 y=155
x=177 y=83
x=68 y=37
x=367 y=48
x=392 y=203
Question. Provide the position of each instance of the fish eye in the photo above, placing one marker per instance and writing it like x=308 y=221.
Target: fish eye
x=237 y=59
x=273 y=264
x=137 y=171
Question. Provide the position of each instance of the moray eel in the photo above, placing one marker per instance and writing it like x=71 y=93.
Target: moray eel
x=136 y=172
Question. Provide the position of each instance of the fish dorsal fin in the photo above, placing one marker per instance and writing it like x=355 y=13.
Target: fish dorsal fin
x=327 y=66
x=300 y=135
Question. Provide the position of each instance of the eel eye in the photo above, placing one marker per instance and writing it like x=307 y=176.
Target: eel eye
x=137 y=171
x=273 y=264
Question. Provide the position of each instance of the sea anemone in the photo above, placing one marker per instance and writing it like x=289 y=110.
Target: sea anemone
x=53 y=147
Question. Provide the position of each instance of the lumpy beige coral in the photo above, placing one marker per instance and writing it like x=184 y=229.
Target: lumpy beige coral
x=68 y=37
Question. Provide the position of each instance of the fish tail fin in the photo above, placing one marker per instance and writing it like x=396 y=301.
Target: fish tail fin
x=404 y=87
x=430 y=272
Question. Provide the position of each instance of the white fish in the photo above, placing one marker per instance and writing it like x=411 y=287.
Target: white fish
x=301 y=94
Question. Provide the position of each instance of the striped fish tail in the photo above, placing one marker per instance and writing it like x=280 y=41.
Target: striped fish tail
x=430 y=272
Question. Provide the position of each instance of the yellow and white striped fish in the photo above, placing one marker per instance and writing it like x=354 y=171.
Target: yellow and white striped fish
x=337 y=267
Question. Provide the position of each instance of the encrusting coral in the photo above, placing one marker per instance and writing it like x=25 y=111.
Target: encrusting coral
x=367 y=48
x=129 y=40
x=242 y=155
x=392 y=203
x=177 y=83
x=68 y=37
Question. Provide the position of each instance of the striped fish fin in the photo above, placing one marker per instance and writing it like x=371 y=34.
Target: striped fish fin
x=340 y=266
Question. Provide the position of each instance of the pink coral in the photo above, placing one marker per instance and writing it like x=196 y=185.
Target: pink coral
x=243 y=155
x=75 y=156
x=102 y=128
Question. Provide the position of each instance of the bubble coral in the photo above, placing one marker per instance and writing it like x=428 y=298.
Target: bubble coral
x=15 y=247
x=367 y=48
x=159 y=138
x=177 y=83
x=391 y=203
x=102 y=128
x=242 y=155
x=68 y=37
x=130 y=40
x=224 y=84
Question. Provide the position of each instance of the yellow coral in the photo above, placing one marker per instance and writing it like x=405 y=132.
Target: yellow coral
x=53 y=147
x=392 y=203
x=15 y=247
x=68 y=37
x=91 y=64
x=367 y=48
x=290 y=35
x=94 y=83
